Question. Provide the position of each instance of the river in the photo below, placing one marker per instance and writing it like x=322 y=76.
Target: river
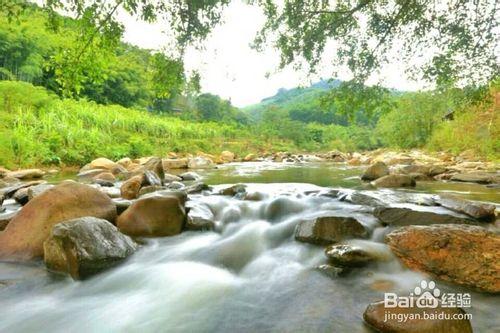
x=250 y=275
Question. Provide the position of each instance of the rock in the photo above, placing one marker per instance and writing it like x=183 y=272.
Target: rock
x=150 y=189
x=404 y=216
x=388 y=319
x=102 y=163
x=197 y=187
x=24 y=236
x=331 y=271
x=477 y=177
x=354 y=161
x=348 y=255
x=189 y=176
x=326 y=230
x=375 y=171
x=89 y=174
x=480 y=211
x=254 y=196
x=360 y=198
x=227 y=156
x=179 y=163
x=414 y=169
x=26 y=174
x=155 y=165
x=154 y=216
x=461 y=254
x=151 y=178
x=85 y=246
x=436 y=170
x=21 y=196
x=394 y=181
x=171 y=178
x=400 y=159
x=249 y=157
x=124 y=162
x=3 y=172
x=5 y=218
x=36 y=190
x=200 y=162
x=233 y=190
x=105 y=179
x=131 y=187
x=176 y=186
x=2 y=198
x=200 y=217
x=122 y=205
x=8 y=192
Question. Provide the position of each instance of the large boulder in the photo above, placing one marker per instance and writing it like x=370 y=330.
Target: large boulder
x=404 y=216
x=326 y=230
x=200 y=162
x=375 y=171
x=24 y=236
x=161 y=214
x=480 y=211
x=461 y=254
x=85 y=246
x=395 y=180
x=388 y=319
x=26 y=174
x=178 y=163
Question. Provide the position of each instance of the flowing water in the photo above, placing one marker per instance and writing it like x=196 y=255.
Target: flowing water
x=250 y=275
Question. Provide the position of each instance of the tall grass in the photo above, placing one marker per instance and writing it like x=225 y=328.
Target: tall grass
x=36 y=127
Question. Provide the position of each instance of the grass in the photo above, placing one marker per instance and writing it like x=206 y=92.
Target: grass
x=38 y=128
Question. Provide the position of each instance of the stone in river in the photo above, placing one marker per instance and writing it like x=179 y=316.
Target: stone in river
x=477 y=177
x=178 y=163
x=197 y=187
x=36 y=190
x=21 y=196
x=85 y=246
x=404 y=216
x=26 y=174
x=477 y=210
x=200 y=162
x=131 y=187
x=151 y=178
x=189 y=176
x=331 y=271
x=154 y=216
x=375 y=171
x=155 y=165
x=24 y=236
x=348 y=255
x=462 y=254
x=329 y=229
x=168 y=178
x=233 y=190
x=395 y=180
x=200 y=217
x=389 y=319
x=10 y=190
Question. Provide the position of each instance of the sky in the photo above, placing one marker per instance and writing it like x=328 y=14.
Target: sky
x=231 y=69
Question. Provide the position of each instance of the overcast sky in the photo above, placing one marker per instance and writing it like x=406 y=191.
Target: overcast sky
x=231 y=69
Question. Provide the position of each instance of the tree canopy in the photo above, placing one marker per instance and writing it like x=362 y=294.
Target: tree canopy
x=448 y=42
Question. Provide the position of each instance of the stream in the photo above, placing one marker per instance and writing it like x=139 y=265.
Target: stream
x=249 y=275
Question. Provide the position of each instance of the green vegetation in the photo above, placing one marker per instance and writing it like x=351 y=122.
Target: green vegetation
x=116 y=100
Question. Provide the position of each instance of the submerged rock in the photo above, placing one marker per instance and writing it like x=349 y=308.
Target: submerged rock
x=168 y=178
x=375 y=171
x=462 y=254
x=405 y=216
x=331 y=271
x=348 y=255
x=85 y=246
x=477 y=210
x=360 y=198
x=24 y=236
x=154 y=216
x=326 y=230
x=395 y=180
x=390 y=319
x=197 y=188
